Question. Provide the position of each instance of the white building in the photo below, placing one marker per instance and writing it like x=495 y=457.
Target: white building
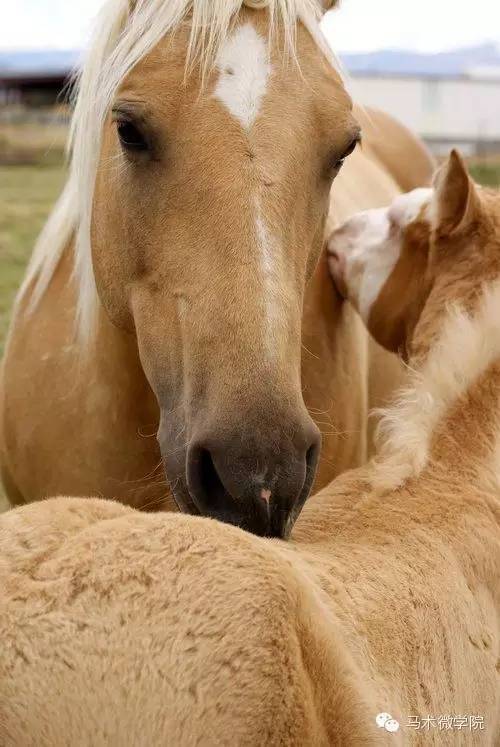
x=445 y=111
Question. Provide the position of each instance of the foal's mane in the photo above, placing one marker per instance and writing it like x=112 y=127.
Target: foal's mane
x=468 y=345
x=126 y=31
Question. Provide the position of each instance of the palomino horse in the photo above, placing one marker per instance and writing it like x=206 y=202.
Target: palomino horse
x=206 y=137
x=125 y=628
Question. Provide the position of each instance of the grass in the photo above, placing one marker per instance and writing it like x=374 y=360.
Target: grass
x=27 y=194
x=487 y=174
x=32 y=143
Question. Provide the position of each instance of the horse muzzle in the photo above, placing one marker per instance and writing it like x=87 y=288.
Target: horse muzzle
x=256 y=483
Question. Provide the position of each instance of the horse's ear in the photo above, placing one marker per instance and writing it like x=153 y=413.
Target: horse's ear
x=456 y=200
x=329 y=4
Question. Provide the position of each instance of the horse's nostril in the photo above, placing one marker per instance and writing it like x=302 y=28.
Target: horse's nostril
x=204 y=483
x=208 y=492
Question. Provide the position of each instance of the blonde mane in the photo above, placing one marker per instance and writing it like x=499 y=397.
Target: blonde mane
x=467 y=347
x=125 y=32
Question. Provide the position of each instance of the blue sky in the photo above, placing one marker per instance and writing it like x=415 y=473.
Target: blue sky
x=359 y=25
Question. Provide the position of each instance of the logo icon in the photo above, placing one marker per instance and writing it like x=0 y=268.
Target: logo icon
x=385 y=721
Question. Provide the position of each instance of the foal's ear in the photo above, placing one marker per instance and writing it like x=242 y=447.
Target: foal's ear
x=456 y=201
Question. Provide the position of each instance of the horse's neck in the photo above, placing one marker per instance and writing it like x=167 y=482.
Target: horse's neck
x=466 y=440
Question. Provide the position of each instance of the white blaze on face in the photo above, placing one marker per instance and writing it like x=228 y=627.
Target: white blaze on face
x=243 y=62
x=268 y=255
x=244 y=67
x=365 y=249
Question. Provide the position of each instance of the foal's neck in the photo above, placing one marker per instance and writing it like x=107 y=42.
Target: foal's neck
x=440 y=437
x=450 y=415
x=430 y=446
x=446 y=418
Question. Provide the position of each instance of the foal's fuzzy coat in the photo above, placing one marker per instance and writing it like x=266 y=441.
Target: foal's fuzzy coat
x=130 y=629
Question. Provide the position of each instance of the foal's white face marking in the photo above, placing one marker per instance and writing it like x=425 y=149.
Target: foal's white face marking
x=364 y=266
x=406 y=208
x=364 y=250
x=243 y=62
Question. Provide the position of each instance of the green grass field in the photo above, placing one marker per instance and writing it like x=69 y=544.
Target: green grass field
x=26 y=195
x=487 y=173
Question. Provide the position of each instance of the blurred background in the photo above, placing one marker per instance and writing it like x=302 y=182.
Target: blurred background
x=434 y=65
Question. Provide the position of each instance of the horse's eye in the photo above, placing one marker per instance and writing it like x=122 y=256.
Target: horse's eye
x=352 y=147
x=130 y=136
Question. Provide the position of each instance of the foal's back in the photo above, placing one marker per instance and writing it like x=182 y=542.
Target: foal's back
x=121 y=628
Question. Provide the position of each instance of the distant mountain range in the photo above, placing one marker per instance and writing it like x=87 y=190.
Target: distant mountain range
x=37 y=61
x=483 y=60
